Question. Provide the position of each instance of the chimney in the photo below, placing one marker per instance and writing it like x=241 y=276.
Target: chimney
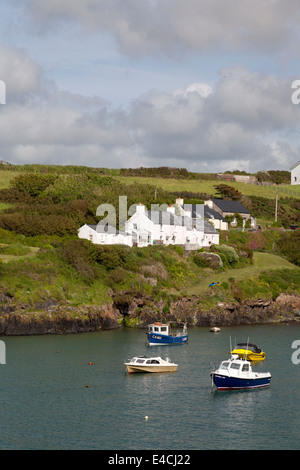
x=209 y=203
x=171 y=209
x=140 y=208
x=179 y=201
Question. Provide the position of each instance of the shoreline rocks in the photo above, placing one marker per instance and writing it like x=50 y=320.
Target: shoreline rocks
x=54 y=318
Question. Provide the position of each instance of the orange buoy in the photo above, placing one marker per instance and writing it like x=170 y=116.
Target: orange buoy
x=90 y=363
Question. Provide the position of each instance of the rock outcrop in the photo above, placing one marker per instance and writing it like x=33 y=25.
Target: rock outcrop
x=53 y=318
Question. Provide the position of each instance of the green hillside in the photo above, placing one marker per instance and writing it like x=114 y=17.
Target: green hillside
x=42 y=259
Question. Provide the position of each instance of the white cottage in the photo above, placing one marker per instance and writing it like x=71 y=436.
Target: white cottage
x=295 y=173
x=161 y=227
x=104 y=234
x=206 y=212
x=167 y=228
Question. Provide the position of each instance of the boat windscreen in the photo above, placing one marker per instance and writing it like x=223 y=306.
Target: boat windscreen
x=224 y=365
x=251 y=347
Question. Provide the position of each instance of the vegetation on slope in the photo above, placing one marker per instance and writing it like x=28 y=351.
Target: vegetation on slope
x=44 y=261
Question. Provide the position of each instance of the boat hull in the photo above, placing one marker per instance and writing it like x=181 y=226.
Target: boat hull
x=132 y=369
x=156 y=339
x=224 y=382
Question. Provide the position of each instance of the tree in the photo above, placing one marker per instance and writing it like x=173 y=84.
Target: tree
x=227 y=192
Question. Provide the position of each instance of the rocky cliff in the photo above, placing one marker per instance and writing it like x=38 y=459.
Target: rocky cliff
x=138 y=311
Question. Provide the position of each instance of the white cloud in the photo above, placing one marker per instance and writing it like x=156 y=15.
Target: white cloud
x=245 y=120
x=174 y=26
x=22 y=76
x=203 y=89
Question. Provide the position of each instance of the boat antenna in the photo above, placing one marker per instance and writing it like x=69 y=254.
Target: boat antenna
x=245 y=355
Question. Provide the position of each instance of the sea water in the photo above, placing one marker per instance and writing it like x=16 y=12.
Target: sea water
x=73 y=392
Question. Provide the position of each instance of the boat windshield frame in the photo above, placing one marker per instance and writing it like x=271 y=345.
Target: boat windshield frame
x=248 y=346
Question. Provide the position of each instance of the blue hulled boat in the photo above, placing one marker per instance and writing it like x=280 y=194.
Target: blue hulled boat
x=159 y=334
x=237 y=374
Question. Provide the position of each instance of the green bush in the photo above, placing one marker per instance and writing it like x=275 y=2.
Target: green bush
x=33 y=183
x=114 y=256
x=201 y=261
x=289 y=246
x=229 y=252
x=79 y=254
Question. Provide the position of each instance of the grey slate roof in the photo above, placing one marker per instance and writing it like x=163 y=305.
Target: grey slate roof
x=197 y=211
x=208 y=228
x=105 y=228
x=230 y=206
x=212 y=214
x=294 y=166
x=168 y=218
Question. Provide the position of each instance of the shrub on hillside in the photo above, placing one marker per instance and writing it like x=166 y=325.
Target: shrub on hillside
x=289 y=246
x=35 y=224
x=33 y=183
x=79 y=254
x=212 y=260
x=13 y=195
x=229 y=253
x=114 y=256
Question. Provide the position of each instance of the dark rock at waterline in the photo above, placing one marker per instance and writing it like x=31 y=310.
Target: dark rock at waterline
x=53 y=318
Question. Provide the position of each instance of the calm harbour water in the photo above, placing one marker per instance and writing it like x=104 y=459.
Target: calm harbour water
x=46 y=404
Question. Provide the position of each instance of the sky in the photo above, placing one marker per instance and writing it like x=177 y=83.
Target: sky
x=204 y=85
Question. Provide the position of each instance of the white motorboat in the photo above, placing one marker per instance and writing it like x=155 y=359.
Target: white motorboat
x=150 y=364
x=237 y=374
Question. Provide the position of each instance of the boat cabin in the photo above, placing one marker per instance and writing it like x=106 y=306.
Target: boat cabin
x=236 y=366
x=144 y=360
x=159 y=328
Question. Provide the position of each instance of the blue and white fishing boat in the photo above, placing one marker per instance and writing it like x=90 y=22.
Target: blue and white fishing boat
x=237 y=374
x=159 y=334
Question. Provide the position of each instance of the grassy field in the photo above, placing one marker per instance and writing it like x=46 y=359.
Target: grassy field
x=208 y=186
x=262 y=262
x=16 y=252
x=6 y=176
x=195 y=186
